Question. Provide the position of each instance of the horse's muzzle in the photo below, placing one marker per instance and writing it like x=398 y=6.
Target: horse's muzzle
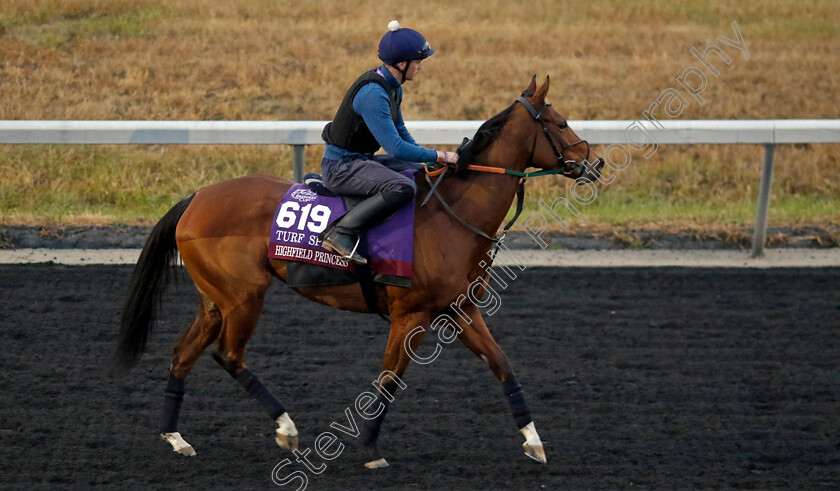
x=591 y=171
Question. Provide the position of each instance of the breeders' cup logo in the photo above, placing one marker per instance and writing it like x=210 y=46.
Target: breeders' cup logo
x=304 y=195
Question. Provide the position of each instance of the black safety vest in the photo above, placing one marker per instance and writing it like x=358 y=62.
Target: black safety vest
x=348 y=130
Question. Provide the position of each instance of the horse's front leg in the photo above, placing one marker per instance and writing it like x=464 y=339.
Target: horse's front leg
x=407 y=332
x=476 y=336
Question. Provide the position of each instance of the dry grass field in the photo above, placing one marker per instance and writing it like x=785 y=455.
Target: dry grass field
x=284 y=60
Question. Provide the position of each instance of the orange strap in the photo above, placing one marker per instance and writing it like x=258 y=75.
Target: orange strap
x=435 y=172
x=482 y=168
x=477 y=168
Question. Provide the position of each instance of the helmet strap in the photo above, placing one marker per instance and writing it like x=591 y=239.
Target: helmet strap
x=403 y=71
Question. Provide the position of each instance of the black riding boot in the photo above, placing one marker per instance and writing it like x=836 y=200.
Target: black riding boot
x=342 y=237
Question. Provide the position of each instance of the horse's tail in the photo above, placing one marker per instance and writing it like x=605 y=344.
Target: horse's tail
x=148 y=284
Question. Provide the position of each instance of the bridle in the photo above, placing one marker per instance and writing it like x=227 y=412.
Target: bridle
x=567 y=166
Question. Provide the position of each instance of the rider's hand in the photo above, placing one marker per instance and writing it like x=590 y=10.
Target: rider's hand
x=447 y=157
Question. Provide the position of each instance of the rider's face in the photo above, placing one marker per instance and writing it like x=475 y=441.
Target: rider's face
x=414 y=68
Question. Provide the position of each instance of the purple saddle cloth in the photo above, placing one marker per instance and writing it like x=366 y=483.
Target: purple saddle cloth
x=303 y=214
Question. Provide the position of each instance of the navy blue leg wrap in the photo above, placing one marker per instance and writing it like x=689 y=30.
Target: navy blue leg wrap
x=257 y=390
x=370 y=430
x=516 y=400
x=172 y=405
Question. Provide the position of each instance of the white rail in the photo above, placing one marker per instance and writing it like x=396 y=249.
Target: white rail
x=755 y=131
x=768 y=132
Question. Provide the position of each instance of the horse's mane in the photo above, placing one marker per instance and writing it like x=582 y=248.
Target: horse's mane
x=489 y=131
x=491 y=128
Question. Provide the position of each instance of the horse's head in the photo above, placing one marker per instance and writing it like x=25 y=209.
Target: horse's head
x=556 y=145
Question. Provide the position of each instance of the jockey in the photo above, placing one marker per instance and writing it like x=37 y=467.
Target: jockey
x=369 y=118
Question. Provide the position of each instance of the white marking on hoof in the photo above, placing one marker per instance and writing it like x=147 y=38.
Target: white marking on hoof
x=533 y=446
x=178 y=444
x=377 y=464
x=535 y=452
x=286 y=434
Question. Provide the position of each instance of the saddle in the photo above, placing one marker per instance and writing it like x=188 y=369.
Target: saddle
x=307 y=209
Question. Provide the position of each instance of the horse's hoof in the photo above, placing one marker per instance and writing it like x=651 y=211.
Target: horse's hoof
x=286 y=434
x=179 y=445
x=535 y=452
x=289 y=442
x=379 y=463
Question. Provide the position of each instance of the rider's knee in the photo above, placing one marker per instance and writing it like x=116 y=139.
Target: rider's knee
x=400 y=193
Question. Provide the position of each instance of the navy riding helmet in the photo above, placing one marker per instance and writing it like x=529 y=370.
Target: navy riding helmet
x=403 y=44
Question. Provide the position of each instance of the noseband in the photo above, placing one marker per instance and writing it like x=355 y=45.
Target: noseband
x=568 y=166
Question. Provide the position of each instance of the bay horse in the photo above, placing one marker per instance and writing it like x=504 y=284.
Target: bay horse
x=222 y=234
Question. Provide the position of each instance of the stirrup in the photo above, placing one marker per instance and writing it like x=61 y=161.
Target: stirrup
x=352 y=256
x=331 y=245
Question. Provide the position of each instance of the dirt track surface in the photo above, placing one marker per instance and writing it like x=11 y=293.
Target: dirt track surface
x=653 y=378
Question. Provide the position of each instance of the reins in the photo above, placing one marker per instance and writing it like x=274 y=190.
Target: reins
x=493 y=170
x=440 y=173
x=520 y=200
x=524 y=175
x=520 y=197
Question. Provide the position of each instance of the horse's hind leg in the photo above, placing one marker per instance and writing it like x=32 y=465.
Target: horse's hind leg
x=203 y=330
x=478 y=339
x=237 y=327
x=232 y=271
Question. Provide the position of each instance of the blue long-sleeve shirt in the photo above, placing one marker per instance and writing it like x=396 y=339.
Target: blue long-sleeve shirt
x=373 y=105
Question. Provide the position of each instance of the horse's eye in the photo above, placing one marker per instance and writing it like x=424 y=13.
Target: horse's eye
x=563 y=125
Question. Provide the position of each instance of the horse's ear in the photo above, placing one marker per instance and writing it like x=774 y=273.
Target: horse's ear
x=539 y=96
x=532 y=87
